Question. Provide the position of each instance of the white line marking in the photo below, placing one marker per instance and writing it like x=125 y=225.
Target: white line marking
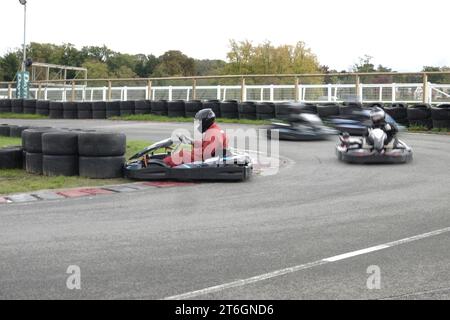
x=281 y=272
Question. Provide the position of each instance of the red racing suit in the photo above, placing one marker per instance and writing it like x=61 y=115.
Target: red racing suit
x=214 y=143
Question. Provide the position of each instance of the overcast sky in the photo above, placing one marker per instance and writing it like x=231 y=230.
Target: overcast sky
x=401 y=34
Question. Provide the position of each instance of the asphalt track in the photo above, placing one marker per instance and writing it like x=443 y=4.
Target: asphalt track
x=235 y=240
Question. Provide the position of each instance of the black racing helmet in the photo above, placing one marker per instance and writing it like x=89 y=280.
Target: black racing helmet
x=377 y=116
x=205 y=119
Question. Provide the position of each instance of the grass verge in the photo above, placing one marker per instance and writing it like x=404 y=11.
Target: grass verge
x=17 y=181
x=423 y=129
x=21 y=116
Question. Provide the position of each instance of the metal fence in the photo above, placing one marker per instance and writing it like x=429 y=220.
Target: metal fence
x=424 y=91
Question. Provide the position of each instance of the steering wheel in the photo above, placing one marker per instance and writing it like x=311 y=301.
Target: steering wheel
x=184 y=139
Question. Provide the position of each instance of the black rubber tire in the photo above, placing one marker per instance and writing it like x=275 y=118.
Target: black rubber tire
x=70 y=110
x=265 y=116
x=265 y=108
x=229 y=115
x=127 y=108
x=42 y=107
x=84 y=110
x=428 y=123
x=349 y=108
x=5 y=130
x=396 y=112
x=56 y=110
x=101 y=144
x=60 y=143
x=5 y=105
x=98 y=106
x=98 y=114
x=32 y=139
x=33 y=162
x=101 y=167
x=282 y=109
x=247 y=107
x=16 y=131
x=29 y=106
x=228 y=107
x=176 y=108
x=17 y=106
x=329 y=110
x=66 y=166
x=214 y=105
x=11 y=157
x=159 y=107
x=248 y=116
x=190 y=114
x=419 y=112
x=373 y=105
x=142 y=107
x=112 y=109
x=441 y=124
x=440 y=113
x=24 y=156
x=193 y=106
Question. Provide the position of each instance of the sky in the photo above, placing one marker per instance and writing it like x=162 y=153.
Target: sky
x=401 y=34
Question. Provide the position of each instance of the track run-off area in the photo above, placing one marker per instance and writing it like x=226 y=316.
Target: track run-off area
x=309 y=232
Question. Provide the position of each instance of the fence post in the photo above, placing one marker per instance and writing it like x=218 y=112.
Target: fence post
x=425 y=88
x=109 y=90
x=218 y=92
x=149 y=90
x=9 y=91
x=297 y=91
x=243 y=93
x=39 y=91
x=393 y=93
x=358 y=89
x=73 y=91
x=194 y=89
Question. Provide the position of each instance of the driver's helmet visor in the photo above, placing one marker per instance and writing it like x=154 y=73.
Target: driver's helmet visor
x=198 y=125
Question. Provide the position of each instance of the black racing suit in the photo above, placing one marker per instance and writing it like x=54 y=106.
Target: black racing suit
x=390 y=129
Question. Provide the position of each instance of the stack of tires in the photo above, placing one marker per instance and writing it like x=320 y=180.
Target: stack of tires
x=328 y=110
x=90 y=154
x=143 y=107
x=29 y=106
x=112 y=109
x=84 y=110
x=192 y=107
x=265 y=110
x=440 y=116
x=159 y=107
x=214 y=105
x=70 y=110
x=283 y=110
x=349 y=108
x=32 y=145
x=42 y=107
x=60 y=153
x=101 y=155
x=16 y=131
x=127 y=108
x=398 y=111
x=229 y=109
x=247 y=110
x=11 y=157
x=420 y=115
x=176 y=108
x=5 y=105
x=56 y=110
x=17 y=106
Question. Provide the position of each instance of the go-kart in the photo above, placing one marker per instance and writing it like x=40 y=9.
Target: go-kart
x=301 y=127
x=148 y=164
x=372 y=149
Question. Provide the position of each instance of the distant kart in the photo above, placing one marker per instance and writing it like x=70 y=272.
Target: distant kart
x=306 y=127
x=372 y=149
x=149 y=165
x=356 y=121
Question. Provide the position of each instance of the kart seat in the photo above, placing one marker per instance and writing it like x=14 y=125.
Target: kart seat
x=157 y=162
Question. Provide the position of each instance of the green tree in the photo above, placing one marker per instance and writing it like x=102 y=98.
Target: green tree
x=175 y=63
x=9 y=65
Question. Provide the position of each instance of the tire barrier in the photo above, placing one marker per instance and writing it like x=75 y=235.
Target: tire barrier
x=17 y=106
x=440 y=116
x=229 y=109
x=70 y=110
x=420 y=115
x=29 y=106
x=282 y=110
x=247 y=110
x=11 y=158
x=99 y=110
x=214 y=105
x=328 y=110
x=42 y=107
x=54 y=166
x=56 y=110
x=33 y=162
x=127 y=108
x=192 y=107
x=84 y=110
x=349 y=108
x=176 y=108
x=112 y=109
x=102 y=155
x=16 y=131
x=143 y=107
x=5 y=130
x=5 y=105
x=398 y=111
x=265 y=110
x=159 y=107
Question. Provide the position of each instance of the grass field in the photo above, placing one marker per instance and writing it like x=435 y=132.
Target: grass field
x=21 y=116
x=155 y=118
x=17 y=181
